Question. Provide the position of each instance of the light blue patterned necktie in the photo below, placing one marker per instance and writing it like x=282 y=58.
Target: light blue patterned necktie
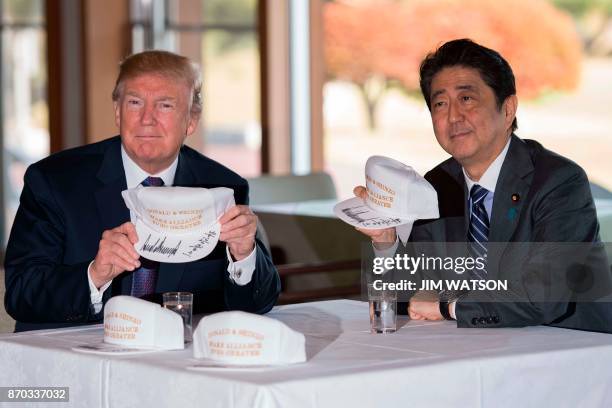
x=478 y=233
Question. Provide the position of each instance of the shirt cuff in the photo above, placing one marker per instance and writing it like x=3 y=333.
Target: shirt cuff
x=95 y=293
x=451 y=309
x=386 y=253
x=241 y=272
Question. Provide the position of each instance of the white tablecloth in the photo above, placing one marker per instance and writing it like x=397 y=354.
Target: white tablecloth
x=424 y=364
x=313 y=208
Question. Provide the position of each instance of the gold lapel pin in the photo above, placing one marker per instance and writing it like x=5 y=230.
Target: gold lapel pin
x=515 y=197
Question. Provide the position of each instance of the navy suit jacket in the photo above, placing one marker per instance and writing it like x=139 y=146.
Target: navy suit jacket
x=68 y=200
x=554 y=205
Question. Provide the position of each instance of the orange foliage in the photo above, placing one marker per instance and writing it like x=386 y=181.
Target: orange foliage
x=389 y=39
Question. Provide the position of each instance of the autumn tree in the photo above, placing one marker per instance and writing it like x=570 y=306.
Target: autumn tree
x=594 y=18
x=367 y=45
x=380 y=44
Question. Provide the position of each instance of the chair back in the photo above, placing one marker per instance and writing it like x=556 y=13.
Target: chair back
x=7 y=324
x=291 y=188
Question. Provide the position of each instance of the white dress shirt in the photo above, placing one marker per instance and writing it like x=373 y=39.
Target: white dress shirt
x=488 y=180
x=240 y=272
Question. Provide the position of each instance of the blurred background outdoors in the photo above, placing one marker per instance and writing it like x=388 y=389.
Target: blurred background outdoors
x=299 y=86
x=561 y=52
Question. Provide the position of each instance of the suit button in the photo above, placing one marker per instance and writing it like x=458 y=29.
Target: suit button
x=475 y=321
x=495 y=319
x=489 y=320
x=482 y=320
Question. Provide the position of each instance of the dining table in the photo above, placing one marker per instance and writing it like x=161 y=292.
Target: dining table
x=422 y=364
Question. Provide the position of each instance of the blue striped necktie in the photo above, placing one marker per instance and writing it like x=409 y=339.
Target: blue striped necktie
x=478 y=233
x=144 y=278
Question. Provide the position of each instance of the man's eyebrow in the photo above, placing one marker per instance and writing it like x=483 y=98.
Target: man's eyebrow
x=466 y=87
x=437 y=93
x=166 y=98
x=161 y=98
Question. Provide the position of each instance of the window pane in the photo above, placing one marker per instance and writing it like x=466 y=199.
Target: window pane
x=372 y=101
x=25 y=111
x=231 y=100
x=231 y=128
x=231 y=12
x=23 y=11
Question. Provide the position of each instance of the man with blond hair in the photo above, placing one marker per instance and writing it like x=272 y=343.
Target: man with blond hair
x=72 y=243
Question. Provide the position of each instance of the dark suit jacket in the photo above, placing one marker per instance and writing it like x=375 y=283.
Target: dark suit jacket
x=554 y=205
x=68 y=200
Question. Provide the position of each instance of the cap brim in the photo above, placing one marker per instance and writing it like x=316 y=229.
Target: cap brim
x=354 y=212
x=167 y=248
x=102 y=348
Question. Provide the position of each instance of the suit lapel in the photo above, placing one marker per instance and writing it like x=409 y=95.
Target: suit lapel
x=512 y=182
x=170 y=274
x=454 y=200
x=184 y=176
x=110 y=205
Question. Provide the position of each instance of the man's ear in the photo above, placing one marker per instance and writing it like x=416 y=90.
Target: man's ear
x=192 y=125
x=117 y=108
x=509 y=108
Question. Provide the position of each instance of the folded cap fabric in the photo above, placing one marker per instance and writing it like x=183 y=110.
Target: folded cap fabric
x=177 y=224
x=240 y=338
x=396 y=195
x=134 y=322
x=132 y=325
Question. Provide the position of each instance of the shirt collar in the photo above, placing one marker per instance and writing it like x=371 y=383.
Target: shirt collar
x=134 y=175
x=490 y=176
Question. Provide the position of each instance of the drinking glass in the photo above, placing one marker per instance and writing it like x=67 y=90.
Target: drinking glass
x=383 y=310
x=181 y=303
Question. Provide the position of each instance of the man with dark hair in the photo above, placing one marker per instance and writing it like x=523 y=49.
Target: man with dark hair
x=72 y=243
x=492 y=67
x=497 y=188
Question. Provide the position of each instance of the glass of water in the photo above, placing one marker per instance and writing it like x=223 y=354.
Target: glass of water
x=383 y=310
x=181 y=303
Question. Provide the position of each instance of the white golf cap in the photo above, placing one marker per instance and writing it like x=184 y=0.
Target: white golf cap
x=397 y=195
x=177 y=224
x=133 y=325
x=240 y=338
